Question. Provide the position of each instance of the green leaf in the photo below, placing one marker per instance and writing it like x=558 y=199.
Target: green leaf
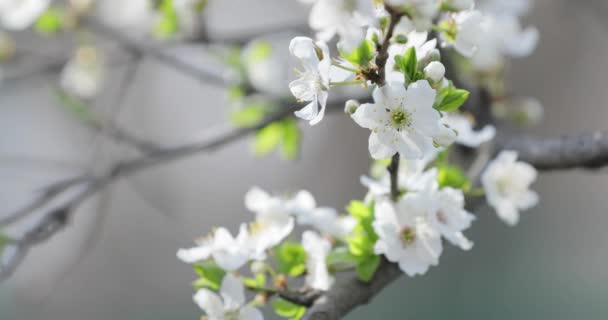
x=50 y=21
x=408 y=64
x=268 y=138
x=453 y=100
x=361 y=56
x=259 y=51
x=292 y=136
x=75 y=106
x=288 y=309
x=367 y=269
x=248 y=116
x=451 y=176
x=291 y=259
x=210 y=274
x=359 y=210
x=258 y=282
x=168 y=23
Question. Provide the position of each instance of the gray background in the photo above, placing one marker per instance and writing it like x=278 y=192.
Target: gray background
x=551 y=266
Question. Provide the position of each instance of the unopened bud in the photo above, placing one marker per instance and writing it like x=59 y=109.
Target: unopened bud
x=351 y=106
x=280 y=282
x=434 y=71
x=260 y=299
x=258 y=267
x=401 y=39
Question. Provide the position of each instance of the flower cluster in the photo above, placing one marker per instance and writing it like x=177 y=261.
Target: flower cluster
x=396 y=49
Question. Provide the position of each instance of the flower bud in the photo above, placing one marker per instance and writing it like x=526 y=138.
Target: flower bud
x=434 y=71
x=258 y=267
x=351 y=106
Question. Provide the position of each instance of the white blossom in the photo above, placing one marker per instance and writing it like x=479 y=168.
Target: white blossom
x=449 y=217
x=464 y=32
x=313 y=84
x=345 y=18
x=506 y=182
x=503 y=36
x=83 y=75
x=422 y=12
x=274 y=217
x=405 y=235
x=401 y=120
x=328 y=222
x=20 y=14
x=466 y=136
x=229 y=304
x=317 y=249
x=230 y=253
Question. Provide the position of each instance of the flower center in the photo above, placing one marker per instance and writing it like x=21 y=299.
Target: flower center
x=400 y=118
x=441 y=217
x=408 y=236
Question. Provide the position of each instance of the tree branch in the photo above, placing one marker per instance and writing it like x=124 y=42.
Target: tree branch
x=588 y=151
x=349 y=293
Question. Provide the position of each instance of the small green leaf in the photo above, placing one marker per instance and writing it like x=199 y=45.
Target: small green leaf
x=408 y=64
x=168 y=23
x=291 y=259
x=259 y=51
x=258 y=282
x=288 y=309
x=248 y=116
x=50 y=21
x=367 y=269
x=361 y=56
x=268 y=138
x=359 y=210
x=451 y=176
x=210 y=274
x=292 y=136
x=453 y=100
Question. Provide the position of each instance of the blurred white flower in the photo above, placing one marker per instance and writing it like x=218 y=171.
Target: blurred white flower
x=231 y=304
x=464 y=127
x=136 y=16
x=503 y=36
x=405 y=235
x=328 y=222
x=83 y=75
x=422 y=12
x=506 y=182
x=399 y=124
x=317 y=249
x=20 y=14
x=345 y=18
x=313 y=82
x=468 y=32
x=268 y=65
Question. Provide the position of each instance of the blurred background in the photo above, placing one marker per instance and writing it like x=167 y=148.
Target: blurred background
x=116 y=260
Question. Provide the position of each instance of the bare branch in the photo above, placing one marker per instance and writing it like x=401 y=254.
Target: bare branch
x=588 y=151
x=349 y=293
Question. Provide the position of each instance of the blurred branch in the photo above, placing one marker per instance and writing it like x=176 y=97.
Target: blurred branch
x=588 y=151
